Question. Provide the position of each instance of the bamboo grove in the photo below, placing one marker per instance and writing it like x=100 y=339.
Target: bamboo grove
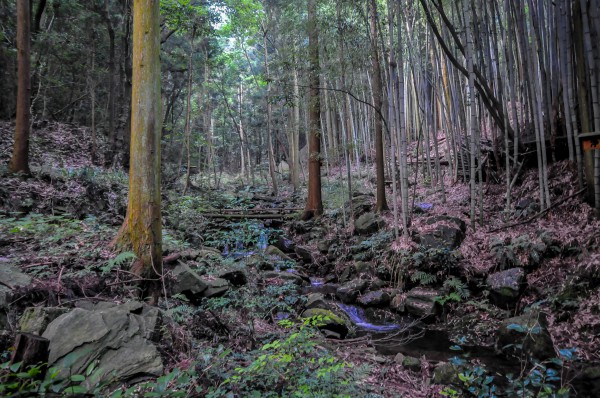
x=436 y=90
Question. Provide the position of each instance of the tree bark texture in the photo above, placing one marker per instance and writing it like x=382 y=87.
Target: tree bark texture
x=20 y=156
x=141 y=231
x=314 y=203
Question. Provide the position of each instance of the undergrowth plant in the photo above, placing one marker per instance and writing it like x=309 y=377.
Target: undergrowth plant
x=295 y=366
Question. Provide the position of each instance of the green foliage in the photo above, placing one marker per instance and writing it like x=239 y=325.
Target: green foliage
x=455 y=291
x=117 y=262
x=240 y=236
x=29 y=383
x=523 y=251
x=273 y=299
x=423 y=278
x=541 y=380
x=296 y=366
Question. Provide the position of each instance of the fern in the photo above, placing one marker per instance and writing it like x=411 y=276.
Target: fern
x=118 y=261
x=455 y=285
x=423 y=278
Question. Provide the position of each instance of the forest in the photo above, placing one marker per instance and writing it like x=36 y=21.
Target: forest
x=302 y=198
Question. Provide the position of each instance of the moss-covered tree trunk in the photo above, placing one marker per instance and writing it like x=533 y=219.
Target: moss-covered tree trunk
x=141 y=230
x=20 y=156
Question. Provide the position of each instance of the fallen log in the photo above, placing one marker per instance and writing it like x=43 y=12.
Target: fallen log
x=250 y=216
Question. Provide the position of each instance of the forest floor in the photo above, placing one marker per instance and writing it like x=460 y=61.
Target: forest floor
x=57 y=227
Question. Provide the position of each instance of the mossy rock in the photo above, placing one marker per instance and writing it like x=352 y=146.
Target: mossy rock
x=330 y=321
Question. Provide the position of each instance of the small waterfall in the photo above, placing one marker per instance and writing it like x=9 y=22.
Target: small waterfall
x=357 y=315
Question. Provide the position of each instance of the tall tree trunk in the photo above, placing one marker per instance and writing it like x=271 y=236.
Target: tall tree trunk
x=188 y=114
x=271 y=152
x=314 y=203
x=20 y=156
x=112 y=137
x=141 y=231
x=381 y=203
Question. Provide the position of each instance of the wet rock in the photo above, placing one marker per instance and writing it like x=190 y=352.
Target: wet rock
x=186 y=281
x=367 y=224
x=216 y=288
x=35 y=320
x=349 y=291
x=410 y=363
x=527 y=334
x=506 y=286
x=374 y=299
x=236 y=277
x=331 y=321
x=421 y=302
x=118 y=339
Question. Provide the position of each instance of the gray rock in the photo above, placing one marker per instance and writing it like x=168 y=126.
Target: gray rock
x=448 y=234
x=291 y=277
x=446 y=373
x=118 y=339
x=410 y=363
x=364 y=267
x=216 y=288
x=35 y=320
x=361 y=204
x=304 y=254
x=398 y=303
x=422 y=302
x=323 y=246
x=348 y=292
x=10 y=279
x=316 y=300
x=375 y=299
x=237 y=277
x=367 y=223
x=278 y=254
x=186 y=281
x=527 y=334
x=259 y=262
x=506 y=286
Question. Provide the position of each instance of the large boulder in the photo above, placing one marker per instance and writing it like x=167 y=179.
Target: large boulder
x=506 y=286
x=116 y=340
x=186 y=281
x=526 y=334
x=377 y=298
x=349 y=291
x=316 y=300
x=367 y=224
x=447 y=233
x=422 y=302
